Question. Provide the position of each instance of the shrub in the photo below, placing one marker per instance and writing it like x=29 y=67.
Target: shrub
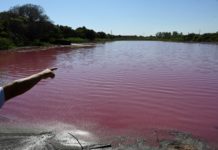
x=6 y=43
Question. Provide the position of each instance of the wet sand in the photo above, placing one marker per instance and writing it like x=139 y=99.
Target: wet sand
x=69 y=137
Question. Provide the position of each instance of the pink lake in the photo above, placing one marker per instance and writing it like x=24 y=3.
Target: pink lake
x=120 y=88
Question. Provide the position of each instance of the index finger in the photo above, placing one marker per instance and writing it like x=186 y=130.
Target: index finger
x=53 y=69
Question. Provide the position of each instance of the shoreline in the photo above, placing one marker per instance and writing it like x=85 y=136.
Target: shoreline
x=40 y=48
x=49 y=135
x=88 y=45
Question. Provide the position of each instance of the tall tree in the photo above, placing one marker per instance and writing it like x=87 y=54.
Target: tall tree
x=34 y=13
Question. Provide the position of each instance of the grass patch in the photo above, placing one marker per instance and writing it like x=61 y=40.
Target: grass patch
x=77 y=40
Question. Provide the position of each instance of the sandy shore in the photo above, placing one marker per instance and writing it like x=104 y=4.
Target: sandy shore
x=37 y=48
x=56 y=135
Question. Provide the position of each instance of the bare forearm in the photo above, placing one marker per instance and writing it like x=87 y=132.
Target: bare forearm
x=22 y=85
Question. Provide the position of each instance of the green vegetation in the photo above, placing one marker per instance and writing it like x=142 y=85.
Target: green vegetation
x=179 y=37
x=28 y=25
x=77 y=40
x=6 y=43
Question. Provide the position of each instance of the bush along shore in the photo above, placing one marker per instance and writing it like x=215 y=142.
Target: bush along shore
x=28 y=25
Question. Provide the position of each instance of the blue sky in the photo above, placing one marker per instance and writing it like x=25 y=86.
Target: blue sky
x=140 y=17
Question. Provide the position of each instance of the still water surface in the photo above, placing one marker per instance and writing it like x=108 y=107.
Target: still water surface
x=120 y=88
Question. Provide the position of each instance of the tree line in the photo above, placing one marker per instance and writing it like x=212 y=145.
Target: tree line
x=179 y=37
x=28 y=25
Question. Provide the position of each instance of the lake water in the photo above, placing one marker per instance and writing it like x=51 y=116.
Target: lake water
x=119 y=88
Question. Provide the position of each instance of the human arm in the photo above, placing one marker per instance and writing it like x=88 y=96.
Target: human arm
x=20 y=86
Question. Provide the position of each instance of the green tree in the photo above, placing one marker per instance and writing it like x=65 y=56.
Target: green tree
x=101 y=35
x=66 y=31
x=83 y=32
x=175 y=34
x=34 y=13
